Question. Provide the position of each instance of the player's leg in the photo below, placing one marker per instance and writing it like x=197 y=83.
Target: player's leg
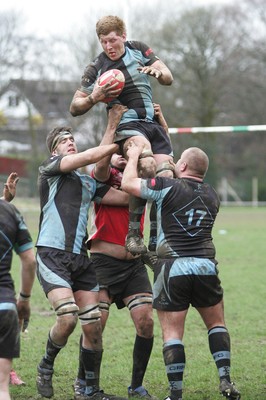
x=63 y=303
x=105 y=301
x=220 y=348
x=140 y=306
x=171 y=293
x=165 y=168
x=91 y=343
x=91 y=348
x=138 y=299
x=172 y=325
x=9 y=345
x=5 y=368
x=50 y=264
x=146 y=169
x=80 y=382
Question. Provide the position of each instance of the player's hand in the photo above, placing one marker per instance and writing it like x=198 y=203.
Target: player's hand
x=100 y=93
x=133 y=149
x=158 y=115
x=9 y=191
x=23 y=308
x=115 y=113
x=157 y=109
x=149 y=70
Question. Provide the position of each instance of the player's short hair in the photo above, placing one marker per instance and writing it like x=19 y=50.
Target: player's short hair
x=53 y=135
x=110 y=23
x=197 y=161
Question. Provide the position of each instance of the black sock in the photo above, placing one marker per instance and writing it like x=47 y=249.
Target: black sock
x=219 y=344
x=141 y=355
x=153 y=228
x=91 y=361
x=81 y=372
x=136 y=209
x=52 y=350
x=175 y=360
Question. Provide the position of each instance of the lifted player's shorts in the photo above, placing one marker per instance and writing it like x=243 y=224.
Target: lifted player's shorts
x=61 y=269
x=122 y=278
x=9 y=328
x=179 y=282
x=154 y=132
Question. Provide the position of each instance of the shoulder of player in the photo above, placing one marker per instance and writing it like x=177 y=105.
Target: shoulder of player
x=135 y=44
x=96 y=64
x=10 y=210
x=50 y=165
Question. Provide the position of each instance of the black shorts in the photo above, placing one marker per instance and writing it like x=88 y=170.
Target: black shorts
x=152 y=131
x=182 y=281
x=61 y=269
x=122 y=278
x=9 y=332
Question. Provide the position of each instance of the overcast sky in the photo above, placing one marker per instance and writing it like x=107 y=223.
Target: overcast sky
x=55 y=16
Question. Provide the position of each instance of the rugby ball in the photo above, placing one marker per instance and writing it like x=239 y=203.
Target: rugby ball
x=117 y=76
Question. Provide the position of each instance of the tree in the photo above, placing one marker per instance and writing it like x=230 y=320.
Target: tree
x=10 y=23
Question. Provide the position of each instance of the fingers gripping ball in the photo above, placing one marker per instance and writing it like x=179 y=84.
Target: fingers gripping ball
x=112 y=76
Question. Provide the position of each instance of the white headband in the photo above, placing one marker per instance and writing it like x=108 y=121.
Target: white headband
x=62 y=135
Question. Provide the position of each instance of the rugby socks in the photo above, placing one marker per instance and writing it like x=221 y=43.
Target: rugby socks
x=153 y=228
x=52 y=350
x=81 y=372
x=175 y=361
x=219 y=344
x=141 y=355
x=136 y=209
x=91 y=361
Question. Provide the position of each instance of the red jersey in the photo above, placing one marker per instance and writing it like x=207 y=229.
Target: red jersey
x=110 y=223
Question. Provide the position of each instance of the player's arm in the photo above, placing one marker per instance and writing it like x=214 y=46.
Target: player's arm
x=159 y=71
x=102 y=168
x=9 y=191
x=115 y=197
x=28 y=269
x=94 y=155
x=130 y=181
x=82 y=102
x=158 y=114
x=91 y=156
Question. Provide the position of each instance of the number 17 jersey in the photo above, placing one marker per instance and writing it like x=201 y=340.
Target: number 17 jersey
x=186 y=211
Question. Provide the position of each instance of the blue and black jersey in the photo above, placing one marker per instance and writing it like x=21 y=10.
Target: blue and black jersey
x=137 y=93
x=186 y=211
x=65 y=200
x=14 y=234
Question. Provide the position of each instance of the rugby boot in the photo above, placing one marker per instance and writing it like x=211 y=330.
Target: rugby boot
x=150 y=259
x=228 y=390
x=135 y=244
x=44 y=382
x=140 y=393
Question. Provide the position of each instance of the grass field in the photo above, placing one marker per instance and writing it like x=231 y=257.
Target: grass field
x=239 y=235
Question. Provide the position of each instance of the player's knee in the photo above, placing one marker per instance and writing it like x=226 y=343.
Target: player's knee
x=67 y=313
x=142 y=315
x=67 y=323
x=145 y=325
x=66 y=307
x=89 y=314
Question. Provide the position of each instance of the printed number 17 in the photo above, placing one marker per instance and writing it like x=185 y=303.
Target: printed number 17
x=191 y=215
